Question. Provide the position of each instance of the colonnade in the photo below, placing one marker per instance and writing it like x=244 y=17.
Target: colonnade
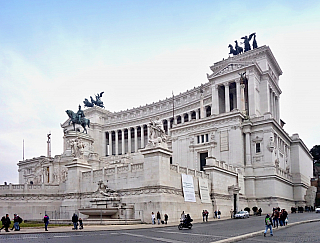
x=228 y=96
x=131 y=139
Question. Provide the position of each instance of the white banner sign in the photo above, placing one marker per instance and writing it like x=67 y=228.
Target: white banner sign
x=188 y=188
x=204 y=190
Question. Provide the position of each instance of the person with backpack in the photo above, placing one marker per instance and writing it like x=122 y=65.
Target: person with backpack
x=3 y=220
x=16 y=222
x=268 y=223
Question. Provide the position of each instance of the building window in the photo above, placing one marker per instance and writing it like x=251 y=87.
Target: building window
x=207 y=137
x=198 y=137
x=202 y=138
x=258 y=148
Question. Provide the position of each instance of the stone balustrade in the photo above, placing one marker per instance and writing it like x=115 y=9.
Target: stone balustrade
x=32 y=188
x=96 y=174
x=283 y=173
x=187 y=171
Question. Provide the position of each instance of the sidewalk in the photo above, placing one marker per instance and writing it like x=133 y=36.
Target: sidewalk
x=90 y=228
x=61 y=229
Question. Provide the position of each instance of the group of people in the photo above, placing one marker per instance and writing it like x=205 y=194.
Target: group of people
x=153 y=218
x=76 y=222
x=6 y=222
x=278 y=217
x=217 y=214
x=205 y=215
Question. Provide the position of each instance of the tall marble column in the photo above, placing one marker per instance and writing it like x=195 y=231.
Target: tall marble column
x=215 y=100
x=182 y=118
x=142 y=136
x=242 y=99
x=197 y=114
x=129 y=140
x=117 y=142
x=135 y=139
x=227 y=97
x=110 y=143
x=248 y=149
x=123 y=142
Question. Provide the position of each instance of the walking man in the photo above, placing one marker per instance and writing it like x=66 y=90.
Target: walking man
x=75 y=221
x=268 y=223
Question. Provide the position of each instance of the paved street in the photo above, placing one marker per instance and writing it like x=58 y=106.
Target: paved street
x=215 y=230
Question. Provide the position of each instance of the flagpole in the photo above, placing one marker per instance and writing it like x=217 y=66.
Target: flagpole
x=23 y=150
x=172 y=107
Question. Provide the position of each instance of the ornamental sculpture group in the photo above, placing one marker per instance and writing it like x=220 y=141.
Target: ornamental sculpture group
x=79 y=117
x=157 y=136
x=247 y=47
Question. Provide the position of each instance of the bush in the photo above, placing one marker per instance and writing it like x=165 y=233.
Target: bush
x=255 y=209
x=247 y=209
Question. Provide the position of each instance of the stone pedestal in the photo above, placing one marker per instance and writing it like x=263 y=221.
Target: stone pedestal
x=156 y=165
x=74 y=174
x=87 y=140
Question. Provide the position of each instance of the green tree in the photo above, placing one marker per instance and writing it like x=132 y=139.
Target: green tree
x=315 y=151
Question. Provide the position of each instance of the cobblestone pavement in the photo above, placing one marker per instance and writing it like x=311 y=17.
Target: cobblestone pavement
x=213 y=231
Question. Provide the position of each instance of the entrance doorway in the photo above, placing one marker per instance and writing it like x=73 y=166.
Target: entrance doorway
x=203 y=157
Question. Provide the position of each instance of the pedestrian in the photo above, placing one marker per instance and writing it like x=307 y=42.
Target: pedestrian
x=275 y=217
x=80 y=223
x=46 y=222
x=207 y=214
x=153 y=218
x=3 y=221
x=215 y=214
x=219 y=214
x=16 y=222
x=166 y=218
x=75 y=221
x=268 y=223
x=158 y=217
x=231 y=213
x=203 y=215
x=7 y=223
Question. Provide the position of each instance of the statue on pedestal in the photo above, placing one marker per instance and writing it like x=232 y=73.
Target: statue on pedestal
x=78 y=118
x=97 y=102
x=157 y=134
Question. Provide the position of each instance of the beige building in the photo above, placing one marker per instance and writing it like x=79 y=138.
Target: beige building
x=226 y=135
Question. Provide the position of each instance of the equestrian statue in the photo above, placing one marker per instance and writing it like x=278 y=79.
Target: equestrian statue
x=78 y=118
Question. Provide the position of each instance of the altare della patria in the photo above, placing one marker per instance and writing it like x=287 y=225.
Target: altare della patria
x=221 y=145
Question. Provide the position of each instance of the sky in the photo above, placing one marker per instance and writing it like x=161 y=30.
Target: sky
x=53 y=54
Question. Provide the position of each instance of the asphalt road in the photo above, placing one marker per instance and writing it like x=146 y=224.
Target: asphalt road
x=212 y=231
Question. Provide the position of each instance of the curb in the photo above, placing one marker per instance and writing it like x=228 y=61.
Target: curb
x=260 y=232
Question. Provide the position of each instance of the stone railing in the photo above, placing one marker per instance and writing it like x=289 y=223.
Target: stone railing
x=98 y=174
x=187 y=171
x=283 y=173
x=223 y=165
x=31 y=188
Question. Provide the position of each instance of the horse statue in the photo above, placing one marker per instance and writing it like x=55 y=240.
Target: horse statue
x=238 y=48
x=75 y=120
x=87 y=103
x=232 y=51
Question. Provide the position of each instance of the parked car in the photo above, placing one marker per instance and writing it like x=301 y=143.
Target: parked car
x=317 y=210
x=241 y=215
